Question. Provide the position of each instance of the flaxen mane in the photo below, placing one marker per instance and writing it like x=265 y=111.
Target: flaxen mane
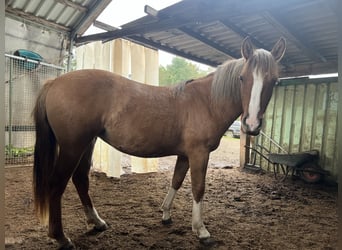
x=226 y=82
x=179 y=88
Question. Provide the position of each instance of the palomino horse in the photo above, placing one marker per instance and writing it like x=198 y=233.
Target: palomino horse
x=146 y=121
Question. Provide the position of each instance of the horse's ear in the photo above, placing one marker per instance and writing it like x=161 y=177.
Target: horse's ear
x=247 y=48
x=278 y=50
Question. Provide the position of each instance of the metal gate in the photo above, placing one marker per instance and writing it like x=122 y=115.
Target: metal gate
x=23 y=80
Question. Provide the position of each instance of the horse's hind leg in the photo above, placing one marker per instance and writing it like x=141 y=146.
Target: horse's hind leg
x=80 y=179
x=65 y=166
x=181 y=168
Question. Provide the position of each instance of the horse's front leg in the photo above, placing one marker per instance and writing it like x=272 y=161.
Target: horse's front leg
x=181 y=168
x=198 y=167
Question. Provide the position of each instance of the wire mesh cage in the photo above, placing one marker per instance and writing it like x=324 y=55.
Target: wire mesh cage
x=22 y=84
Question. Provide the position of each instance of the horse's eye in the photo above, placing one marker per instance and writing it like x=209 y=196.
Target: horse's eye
x=241 y=78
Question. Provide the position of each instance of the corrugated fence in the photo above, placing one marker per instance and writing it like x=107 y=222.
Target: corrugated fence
x=301 y=116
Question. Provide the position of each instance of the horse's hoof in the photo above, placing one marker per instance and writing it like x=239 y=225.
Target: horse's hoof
x=207 y=241
x=101 y=228
x=97 y=229
x=167 y=222
x=66 y=246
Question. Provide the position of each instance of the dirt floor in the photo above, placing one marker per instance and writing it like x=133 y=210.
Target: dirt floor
x=243 y=210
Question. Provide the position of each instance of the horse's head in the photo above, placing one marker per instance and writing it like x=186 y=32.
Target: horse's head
x=258 y=77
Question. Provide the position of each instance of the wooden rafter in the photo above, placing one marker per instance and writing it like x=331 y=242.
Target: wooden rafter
x=93 y=11
x=72 y=5
x=165 y=24
x=209 y=42
x=27 y=16
x=103 y=26
x=280 y=23
x=154 y=13
x=156 y=45
x=241 y=33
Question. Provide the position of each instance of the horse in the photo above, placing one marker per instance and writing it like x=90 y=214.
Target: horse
x=187 y=120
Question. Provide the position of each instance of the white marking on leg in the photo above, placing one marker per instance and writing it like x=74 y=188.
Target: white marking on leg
x=167 y=203
x=197 y=222
x=254 y=103
x=94 y=218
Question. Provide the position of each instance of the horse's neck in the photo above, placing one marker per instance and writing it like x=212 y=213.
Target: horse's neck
x=224 y=112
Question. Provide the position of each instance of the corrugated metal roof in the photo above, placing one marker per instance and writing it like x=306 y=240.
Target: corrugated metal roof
x=212 y=31
x=208 y=31
x=72 y=16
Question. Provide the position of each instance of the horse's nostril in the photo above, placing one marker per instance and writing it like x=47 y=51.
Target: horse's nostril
x=244 y=119
x=260 y=124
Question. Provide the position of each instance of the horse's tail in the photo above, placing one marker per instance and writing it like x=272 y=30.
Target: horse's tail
x=45 y=153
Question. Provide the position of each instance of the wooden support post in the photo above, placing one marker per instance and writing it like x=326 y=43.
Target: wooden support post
x=244 y=152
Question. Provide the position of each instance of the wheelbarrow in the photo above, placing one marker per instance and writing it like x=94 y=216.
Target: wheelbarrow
x=302 y=164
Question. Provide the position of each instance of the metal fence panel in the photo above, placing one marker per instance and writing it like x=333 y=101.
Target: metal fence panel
x=23 y=80
x=302 y=115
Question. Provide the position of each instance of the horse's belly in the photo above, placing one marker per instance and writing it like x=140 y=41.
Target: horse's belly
x=143 y=150
x=142 y=144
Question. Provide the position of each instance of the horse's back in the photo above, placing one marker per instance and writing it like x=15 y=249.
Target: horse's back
x=88 y=103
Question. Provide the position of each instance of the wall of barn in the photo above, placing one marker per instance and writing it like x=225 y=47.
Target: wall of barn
x=50 y=44
x=301 y=116
x=132 y=61
x=23 y=80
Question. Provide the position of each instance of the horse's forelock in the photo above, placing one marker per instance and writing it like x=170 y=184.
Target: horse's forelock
x=263 y=62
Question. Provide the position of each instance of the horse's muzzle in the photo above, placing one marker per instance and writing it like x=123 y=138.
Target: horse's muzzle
x=251 y=128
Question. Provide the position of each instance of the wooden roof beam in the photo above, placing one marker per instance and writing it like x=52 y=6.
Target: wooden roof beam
x=242 y=33
x=73 y=5
x=277 y=20
x=151 y=11
x=156 y=45
x=103 y=26
x=144 y=25
x=154 y=13
x=209 y=42
x=93 y=12
x=164 y=24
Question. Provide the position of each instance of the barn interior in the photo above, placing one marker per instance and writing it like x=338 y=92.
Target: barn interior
x=209 y=33
x=302 y=114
